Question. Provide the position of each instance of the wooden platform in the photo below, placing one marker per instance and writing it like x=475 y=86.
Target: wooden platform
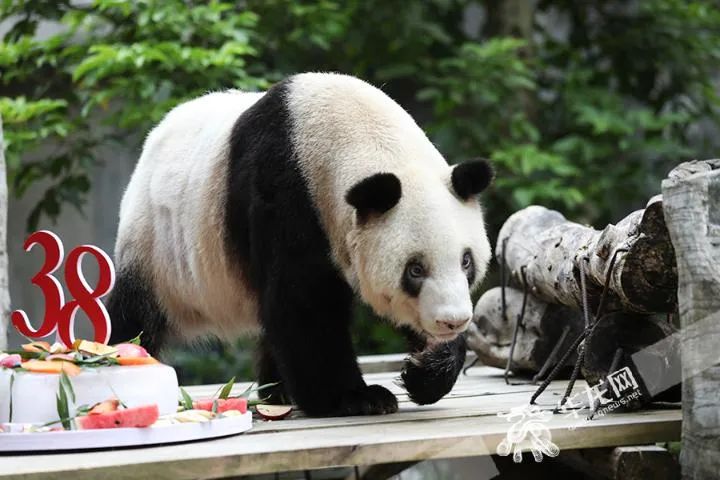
x=465 y=423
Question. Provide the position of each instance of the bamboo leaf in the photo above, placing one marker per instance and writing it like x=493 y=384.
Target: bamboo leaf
x=186 y=401
x=251 y=390
x=12 y=381
x=136 y=340
x=67 y=385
x=225 y=392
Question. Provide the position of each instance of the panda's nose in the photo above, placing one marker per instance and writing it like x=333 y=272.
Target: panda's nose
x=453 y=324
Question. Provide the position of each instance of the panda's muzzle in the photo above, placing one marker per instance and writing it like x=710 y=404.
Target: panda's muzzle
x=453 y=325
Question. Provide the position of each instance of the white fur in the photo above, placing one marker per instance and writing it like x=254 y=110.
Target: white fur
x=171 y=218
x=343 y=130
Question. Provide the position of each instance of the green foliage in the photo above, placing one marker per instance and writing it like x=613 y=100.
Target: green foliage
x=584 y=112
x=114 y=69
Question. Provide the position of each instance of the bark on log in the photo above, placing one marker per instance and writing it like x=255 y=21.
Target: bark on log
x=490 y=335
x=4 y=284
x=551 y=249
x=692 y=211
x=634 y=333
x=623 y=463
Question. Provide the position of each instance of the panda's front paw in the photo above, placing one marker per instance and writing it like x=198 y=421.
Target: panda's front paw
x=430 y=374
x=368 y=400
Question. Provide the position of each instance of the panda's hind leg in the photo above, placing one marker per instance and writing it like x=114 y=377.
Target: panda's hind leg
x=134 y=309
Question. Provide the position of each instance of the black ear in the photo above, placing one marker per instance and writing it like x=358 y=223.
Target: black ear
x=375 y=194
x=471 y=178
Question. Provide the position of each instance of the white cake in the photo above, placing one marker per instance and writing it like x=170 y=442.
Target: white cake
x=33 y=394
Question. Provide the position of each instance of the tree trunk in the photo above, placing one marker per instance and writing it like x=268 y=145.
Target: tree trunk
x=551 y=249
x=4 y=284
x=692 y=211
x=489 y=335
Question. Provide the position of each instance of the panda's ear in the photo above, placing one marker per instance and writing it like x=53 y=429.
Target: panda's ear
x=374 y=195
x=471 y=177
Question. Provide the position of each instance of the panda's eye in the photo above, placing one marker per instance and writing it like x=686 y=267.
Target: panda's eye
x=467 y=261
x=416 y=270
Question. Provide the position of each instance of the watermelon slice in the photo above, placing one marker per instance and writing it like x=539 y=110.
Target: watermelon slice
x=223 y=404
x=137 y=417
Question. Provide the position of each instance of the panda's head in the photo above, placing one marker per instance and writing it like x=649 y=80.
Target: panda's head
x=418 y=247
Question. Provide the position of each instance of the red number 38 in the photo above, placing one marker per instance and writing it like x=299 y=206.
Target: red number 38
x=60 y=316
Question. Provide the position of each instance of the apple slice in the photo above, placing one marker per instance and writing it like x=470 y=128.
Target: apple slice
x=273 y=412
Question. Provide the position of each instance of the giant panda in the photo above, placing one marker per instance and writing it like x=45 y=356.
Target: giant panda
x=267 y=214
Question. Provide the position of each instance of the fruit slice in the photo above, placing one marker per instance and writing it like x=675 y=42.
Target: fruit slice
x=274 y=412
x=137 y=417
x=223 y=404
x=54 y=366
x=104 y=407
x=94 y=348
x=130 y=350
x=37 y=347
x=10 y=361
x=136 y=360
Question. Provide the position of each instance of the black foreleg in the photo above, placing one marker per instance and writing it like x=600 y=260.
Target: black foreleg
x=306 y=318
x=431 y=370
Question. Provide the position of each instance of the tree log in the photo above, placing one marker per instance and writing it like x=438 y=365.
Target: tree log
x=4 y=284
x=490 y=335
x=692 y=212
x=551 y=249
x=652 y=336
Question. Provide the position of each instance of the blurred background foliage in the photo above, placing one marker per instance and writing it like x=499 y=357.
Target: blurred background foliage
x=582 y=106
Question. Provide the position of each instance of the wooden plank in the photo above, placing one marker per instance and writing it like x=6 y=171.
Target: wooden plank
x=624 y=463
x=465 y=424
x=353 y=445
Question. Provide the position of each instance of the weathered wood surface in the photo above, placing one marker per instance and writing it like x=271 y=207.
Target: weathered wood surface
x=632 y=333
x=551 y=249
x=4 y=285
x=465 y=423
x=646 y=462
x=489 y=335
x=692 y=212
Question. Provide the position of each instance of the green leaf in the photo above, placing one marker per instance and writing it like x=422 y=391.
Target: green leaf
x=251 y=390
x=226 y=389
x=66 y=385
x=136 y=340
x=186 y=401
x=12 y=382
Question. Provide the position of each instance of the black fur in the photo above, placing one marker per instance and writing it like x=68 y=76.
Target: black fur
x=470 y=271
x=274 y=232
x=431 y=371
x=471 y=178
x=410 y=284
x=133 y=309
x=374 y=195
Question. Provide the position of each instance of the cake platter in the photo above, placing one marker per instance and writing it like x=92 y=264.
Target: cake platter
x=15 y=440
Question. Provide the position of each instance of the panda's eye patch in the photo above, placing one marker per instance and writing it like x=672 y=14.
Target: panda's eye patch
x=467 y=260
x=468 y=266
x=415 y=269
x=413 y=277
